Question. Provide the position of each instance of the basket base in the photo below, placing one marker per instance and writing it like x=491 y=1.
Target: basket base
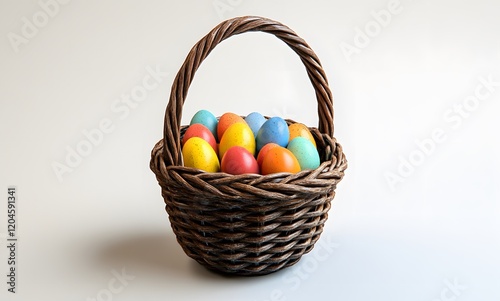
x=245 y=268
x=249 y=272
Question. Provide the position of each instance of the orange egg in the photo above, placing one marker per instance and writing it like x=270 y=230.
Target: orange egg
x=263 y=152
x=279 y=159
x=300 y=130
x=225 y=121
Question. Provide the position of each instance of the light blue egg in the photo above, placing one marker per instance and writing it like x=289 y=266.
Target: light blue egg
x=274 y=130
x=255 y=120
x=207 y=119
x=305 y=152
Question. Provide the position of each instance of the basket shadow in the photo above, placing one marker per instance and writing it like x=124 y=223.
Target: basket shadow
x=147 y=253
x=156 y=254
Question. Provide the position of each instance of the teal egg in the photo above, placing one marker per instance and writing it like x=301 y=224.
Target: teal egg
x=305 y=152
x=207 y=119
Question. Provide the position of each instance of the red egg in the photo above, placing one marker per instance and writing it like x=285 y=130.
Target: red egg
x=201 y=131
x=238 y=160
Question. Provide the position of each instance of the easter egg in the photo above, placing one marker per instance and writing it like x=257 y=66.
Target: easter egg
x=238 y=134
x=199 y=130
x=279 y=159
x=274 y=130
x=263 y=152
x=300 y=130
x=238 y=160
x=207 y=119
x=225 y=121
x=255 y=120
x=305 y=152
x=197 y=153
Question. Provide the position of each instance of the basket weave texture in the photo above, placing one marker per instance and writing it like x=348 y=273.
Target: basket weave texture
x=247 y=224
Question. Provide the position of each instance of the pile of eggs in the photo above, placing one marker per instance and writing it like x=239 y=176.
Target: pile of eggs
x=250 y=145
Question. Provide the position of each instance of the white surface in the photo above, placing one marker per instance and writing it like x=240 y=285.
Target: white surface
x=441 y=224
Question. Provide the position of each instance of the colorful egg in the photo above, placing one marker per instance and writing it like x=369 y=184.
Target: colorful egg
x=279 y=159
x=198 y=153
x=274 y=130
x=238 y=134
x=201 y=131
x=255 y=120
x=238 y=160
x=305 y=152
x=225 y=121
x=300 y=130
x=207 y=119
x=263 y=152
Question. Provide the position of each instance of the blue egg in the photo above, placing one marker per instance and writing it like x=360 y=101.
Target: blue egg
x=255 y=120
x=305 y=152
x=274 y=130
x=207 y=119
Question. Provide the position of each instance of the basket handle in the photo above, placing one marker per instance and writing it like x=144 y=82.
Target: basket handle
x=171 y=133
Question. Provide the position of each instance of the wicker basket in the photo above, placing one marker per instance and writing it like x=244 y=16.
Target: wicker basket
x=247 y=224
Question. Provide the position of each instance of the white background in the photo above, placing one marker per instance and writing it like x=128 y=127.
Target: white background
x=412 y=240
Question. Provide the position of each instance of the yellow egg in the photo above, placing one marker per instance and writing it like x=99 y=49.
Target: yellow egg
x=197 y=153
x=300 y=130
x=238 y=134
